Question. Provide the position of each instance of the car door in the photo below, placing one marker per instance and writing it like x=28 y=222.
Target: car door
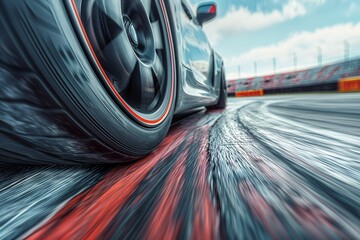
x=197 y=51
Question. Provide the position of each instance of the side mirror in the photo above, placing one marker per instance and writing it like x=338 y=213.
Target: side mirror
x=206 y=12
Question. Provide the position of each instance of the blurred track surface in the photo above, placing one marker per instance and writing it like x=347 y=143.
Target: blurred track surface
x=270 y=167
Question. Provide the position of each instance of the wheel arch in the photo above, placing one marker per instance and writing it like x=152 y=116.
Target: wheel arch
x=172 y=9
x=218 y=66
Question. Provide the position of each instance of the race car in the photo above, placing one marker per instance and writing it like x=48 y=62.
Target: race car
x=99 y=81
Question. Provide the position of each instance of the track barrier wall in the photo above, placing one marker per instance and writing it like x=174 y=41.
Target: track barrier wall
x=341 y=77
x=249 y=93
x=350 y=84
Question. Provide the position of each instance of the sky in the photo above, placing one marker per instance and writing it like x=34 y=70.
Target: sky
x=257 y=37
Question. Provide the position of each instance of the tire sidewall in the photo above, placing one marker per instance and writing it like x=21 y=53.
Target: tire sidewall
x=79 y=88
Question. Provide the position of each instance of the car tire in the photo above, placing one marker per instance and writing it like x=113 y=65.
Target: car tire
x=222 y=102
x=55 y=103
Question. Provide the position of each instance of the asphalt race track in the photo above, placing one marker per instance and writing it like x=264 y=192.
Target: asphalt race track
x=270 y=167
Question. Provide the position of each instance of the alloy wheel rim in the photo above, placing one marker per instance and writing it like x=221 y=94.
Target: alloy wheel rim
x=132 y=47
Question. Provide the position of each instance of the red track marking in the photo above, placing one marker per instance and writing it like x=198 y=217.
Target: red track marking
x=206 y=224
x=88 y=214
x=262 y=211
x=163 y=224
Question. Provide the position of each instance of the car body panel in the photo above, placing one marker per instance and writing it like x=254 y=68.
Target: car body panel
x=196 y=48
x=199 y=67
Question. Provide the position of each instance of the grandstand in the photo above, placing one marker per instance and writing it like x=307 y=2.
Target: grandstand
x=324 y=78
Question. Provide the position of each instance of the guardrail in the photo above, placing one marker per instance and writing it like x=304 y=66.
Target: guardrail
x=326 y=78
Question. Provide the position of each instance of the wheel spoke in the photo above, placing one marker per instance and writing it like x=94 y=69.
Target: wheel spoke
x=157 y=35
x=128 y=39
x=143 y=82
x=111 y=10
x=159 y=72
x=112 y=54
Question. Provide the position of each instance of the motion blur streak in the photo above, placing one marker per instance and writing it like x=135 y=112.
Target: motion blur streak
x=87 y=216
x=289 y=167
x=270 y=167
x=121 y=204
x=28 y=195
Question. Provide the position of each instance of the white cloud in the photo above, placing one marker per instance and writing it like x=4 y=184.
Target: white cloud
x=304 y=44
x=316 y=2
x=242 y=19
